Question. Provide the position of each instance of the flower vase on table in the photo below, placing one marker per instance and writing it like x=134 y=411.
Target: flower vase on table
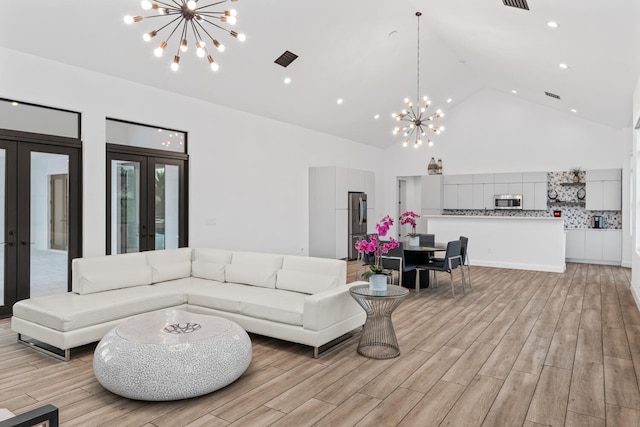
x=410 y=217
x=378 y=282
x=377 y=274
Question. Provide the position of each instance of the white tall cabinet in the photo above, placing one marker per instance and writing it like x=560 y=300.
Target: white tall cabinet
x=329 y=188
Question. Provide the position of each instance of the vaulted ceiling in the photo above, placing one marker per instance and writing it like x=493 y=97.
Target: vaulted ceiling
x=362 y=51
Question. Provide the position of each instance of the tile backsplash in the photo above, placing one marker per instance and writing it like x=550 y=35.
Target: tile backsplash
x=575 y=216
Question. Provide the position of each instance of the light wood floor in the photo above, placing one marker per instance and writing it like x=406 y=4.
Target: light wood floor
x=522 y=349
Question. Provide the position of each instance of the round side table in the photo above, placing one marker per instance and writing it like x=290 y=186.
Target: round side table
x=378 y=340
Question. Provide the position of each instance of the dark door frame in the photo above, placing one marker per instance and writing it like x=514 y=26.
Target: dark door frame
x=18 y=235
x=148 y=158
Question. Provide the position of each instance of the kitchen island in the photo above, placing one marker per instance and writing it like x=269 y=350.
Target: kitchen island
x=526 y=243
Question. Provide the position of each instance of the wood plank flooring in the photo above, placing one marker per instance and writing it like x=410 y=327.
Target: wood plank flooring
x=522 y=349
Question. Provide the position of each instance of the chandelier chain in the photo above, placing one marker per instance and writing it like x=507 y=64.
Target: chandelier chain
x=418 y=73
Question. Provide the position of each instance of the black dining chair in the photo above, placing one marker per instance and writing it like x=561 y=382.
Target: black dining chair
x=427 y=239
x=464 y=245
x=395 y=260
x=451 y=261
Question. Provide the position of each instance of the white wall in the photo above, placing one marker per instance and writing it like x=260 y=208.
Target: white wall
x=635 y=212
x=248 y=173
x=496 y=132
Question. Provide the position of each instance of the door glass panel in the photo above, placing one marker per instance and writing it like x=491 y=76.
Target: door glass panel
x=49 y=236
x=125 y=207
x=33 y=118
x=2 y=221
x=167 y=191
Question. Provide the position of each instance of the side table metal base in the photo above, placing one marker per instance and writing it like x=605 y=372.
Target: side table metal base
x=378 y=339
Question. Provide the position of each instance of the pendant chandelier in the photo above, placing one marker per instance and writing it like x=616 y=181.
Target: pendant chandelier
x=416 y=120
x=190 y=19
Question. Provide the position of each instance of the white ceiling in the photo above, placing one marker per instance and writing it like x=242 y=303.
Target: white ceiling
x=363 y=51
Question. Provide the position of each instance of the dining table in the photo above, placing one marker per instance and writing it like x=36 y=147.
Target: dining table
x=419 y=255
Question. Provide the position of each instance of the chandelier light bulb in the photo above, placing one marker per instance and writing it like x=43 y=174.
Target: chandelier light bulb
x=422 y=110
x=192 y=4
x=175 y=65
x=183 y=45
x=218 y=45
x=214 y=66
x=404 y=144
x=145 y=4
x=159 y=51
x=128 y=19
x=406 y=100
x=232 y=12
x=242 y=37
x=430 y=143
x=199 y=50
x=148 y=36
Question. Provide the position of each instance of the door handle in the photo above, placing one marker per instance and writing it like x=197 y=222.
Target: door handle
x=24 y=242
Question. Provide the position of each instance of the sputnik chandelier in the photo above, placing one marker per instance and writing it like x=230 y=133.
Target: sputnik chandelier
x=192 y=18
x=417 y=121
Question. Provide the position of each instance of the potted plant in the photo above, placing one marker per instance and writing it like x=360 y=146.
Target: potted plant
x=576 y=173
x=409 y=217
x=377 y=274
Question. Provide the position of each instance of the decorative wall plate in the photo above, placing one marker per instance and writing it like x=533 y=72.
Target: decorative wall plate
x=553 y=194
x=581 y=194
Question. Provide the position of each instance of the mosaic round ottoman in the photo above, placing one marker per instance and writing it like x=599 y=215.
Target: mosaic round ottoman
x=171 y=355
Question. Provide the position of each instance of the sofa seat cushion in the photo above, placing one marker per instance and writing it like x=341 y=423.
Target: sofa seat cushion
x=262 y=303
x=70 y=311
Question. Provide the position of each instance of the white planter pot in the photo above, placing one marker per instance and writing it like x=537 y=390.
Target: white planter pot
x=414 y=241
x=378 y=283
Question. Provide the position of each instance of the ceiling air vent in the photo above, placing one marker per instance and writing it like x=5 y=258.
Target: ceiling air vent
x=553 y=95
x=520 y=4
x=286 y=58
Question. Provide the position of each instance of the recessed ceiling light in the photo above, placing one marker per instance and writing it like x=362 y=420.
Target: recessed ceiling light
x=14 y=103
x=339 y=101
x=563 y=66
x=287 y=80
x=449 y=100
x=573 y=110
x=514 y=91
x=552 y=24
x=377 y=116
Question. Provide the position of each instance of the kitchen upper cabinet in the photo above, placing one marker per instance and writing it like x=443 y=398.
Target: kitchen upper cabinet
x=478 y=196
x=450 y=196
x=604 y=190
x=355 y=180
x=341 y=187
x=540 y=195
x=342 y=233
x=515 y=188
x=465 y=196
x=432 y=193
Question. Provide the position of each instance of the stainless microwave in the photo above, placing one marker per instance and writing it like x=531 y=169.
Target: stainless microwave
x=507 y=201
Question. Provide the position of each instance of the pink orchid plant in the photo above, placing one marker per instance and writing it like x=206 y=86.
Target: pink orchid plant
x=378 y=247
x=409 y=217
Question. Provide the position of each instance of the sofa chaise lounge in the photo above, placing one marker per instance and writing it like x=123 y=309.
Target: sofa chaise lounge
x=293 y=298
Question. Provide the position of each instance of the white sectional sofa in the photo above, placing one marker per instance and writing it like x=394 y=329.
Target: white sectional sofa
x=293 y=298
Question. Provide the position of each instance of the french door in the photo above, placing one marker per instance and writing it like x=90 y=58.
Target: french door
x=146 y=202
x=40 y=220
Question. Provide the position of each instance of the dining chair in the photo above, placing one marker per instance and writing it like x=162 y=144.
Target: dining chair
x=427 y=239
x=451 y=261
x=395 y=260
x=464 y=245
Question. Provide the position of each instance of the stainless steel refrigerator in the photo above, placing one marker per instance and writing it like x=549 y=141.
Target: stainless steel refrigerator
x=357 y=221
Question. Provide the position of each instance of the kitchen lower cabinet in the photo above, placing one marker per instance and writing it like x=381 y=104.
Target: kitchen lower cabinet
x=594 y=245
x=575 y=244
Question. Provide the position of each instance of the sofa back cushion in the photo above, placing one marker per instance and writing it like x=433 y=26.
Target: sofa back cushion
x=255 y=269
x=209 y=263
x=311 y=275
x=104 y=273
x=169 y=264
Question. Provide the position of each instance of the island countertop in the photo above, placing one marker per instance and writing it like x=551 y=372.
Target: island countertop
x=526 y=243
